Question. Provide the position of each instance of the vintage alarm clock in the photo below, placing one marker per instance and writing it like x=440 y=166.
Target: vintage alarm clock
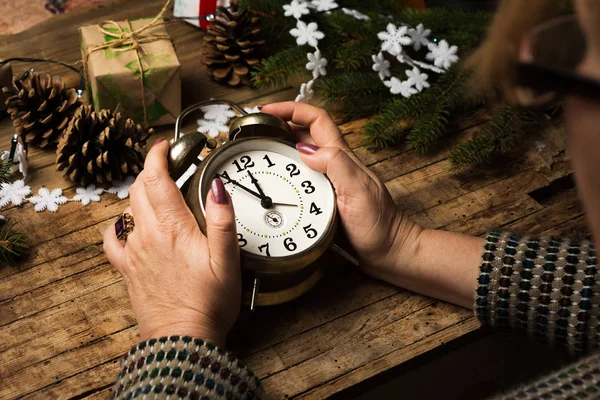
x=285 y=213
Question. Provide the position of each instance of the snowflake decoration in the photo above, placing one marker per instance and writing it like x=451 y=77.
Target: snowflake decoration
x=381 y=66
x=88 y=194
x=419 y=36
x=218 y=112
x=121 y=188
x=306 y=92
x=212 y=128
x=252 y=110
x=403 y=88
x=417 y=79
x=296 y=9
x=442 y=54
x=324 y=5
x=356 y=14
x=48 y=200
x=14 y=193
x=307 y=34
x=393 y=39
x=316 y=64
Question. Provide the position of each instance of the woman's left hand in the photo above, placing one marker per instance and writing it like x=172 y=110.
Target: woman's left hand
x=179 y=281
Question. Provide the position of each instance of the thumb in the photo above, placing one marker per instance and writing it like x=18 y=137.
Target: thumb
x=221 y=233
x=348 y=179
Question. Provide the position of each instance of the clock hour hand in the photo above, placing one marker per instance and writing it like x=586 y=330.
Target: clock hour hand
x=236 y=183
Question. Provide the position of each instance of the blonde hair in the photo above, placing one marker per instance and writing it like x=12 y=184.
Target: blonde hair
x=494 y=62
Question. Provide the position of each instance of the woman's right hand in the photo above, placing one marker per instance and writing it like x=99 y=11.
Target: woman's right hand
x=380 y=234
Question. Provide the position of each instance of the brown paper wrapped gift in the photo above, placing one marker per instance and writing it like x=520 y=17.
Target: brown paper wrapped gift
x=112 y=56
x=5 y=81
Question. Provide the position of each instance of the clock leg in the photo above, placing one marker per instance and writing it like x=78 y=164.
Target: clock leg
x=255 y=289
x=344 y=254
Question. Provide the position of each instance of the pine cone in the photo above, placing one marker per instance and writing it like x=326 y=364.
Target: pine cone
x=230 y=45
x=40 y=108
x=101 y=147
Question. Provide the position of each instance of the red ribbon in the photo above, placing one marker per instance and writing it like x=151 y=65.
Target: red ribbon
x=207 y=7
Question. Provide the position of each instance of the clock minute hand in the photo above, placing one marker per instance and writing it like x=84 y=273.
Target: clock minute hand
x=236 y=183
x=255 y=183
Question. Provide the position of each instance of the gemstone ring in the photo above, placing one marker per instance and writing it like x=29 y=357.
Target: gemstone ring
x=124 y=226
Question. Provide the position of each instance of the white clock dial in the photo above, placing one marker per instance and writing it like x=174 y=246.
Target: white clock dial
x=282 y=207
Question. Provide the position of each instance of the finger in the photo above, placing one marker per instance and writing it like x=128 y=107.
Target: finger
x=140 y=206
x=323 y=129
x=348 y=179
x=114 y=248
x=301 y=134
x=162 y=192
x=221 y=232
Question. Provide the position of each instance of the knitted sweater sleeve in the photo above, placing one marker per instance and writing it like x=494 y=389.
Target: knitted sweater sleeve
x=545 y=286
x=183 y=367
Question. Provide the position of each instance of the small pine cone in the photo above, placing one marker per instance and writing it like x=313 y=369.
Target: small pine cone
x=40 y=108
x=231 y=46
x=101 y=147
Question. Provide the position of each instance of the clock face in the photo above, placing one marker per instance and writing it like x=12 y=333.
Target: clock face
x=282 y=207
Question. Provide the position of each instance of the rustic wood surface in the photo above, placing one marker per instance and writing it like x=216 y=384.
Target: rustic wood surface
x=65 y=318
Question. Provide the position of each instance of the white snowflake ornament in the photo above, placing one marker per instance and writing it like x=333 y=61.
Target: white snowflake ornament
x=121 y=188
x=356 y=14
x=393 y=39
x=397 y=86
x=417 y=79
x=48 y=200
x=324 y=5
x=381 y=66
x=307 y=34
x=442 y=54
x=211 y=127
x=296 y=9
x=14 y=193
x=252 y=110
x=316 y=64
x=88 y=194
x=218 y=112
x=419 y=36
x=306 y=92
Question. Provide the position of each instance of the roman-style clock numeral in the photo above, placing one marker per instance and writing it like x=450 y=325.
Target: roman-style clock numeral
x=289 y=244
x=311 y=233
x=225 y=175
x=292 y=169
x=308 y=187
x=241 y=241
x=244 y=163
x=314 y=209
x=266 y=247
x=269 y=162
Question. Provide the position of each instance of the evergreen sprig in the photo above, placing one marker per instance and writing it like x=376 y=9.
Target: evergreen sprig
x=13 y=244
x=498 y=136
x=5 y=167
x=279 y=68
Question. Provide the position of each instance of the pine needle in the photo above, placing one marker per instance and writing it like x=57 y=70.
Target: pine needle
x=12 y=244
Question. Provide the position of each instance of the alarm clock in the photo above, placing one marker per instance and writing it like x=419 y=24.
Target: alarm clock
x=285 y=213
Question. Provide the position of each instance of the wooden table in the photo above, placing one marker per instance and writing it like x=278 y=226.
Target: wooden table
x=65 y=318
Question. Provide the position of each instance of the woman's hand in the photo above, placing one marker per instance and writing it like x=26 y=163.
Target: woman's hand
x=179 y=281
x=378 y=232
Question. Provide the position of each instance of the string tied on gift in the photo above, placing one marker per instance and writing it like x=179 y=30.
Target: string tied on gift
x=126 y=40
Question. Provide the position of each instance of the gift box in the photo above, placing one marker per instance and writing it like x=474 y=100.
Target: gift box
x=114 y=53
x=5 y=81
x=195 y=11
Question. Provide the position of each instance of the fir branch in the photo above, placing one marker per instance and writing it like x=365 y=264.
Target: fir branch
x=12 y=244
x=498 y=136
x=279 y=68
x=449 y=94
x=355 y=55
x=5 y=167
x=358 y=94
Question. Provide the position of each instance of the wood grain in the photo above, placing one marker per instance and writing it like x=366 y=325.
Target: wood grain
x=65 y=317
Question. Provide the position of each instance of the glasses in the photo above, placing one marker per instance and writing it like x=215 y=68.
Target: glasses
x=548 y=61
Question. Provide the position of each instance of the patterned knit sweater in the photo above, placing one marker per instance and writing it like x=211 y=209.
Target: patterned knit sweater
x=546 y=287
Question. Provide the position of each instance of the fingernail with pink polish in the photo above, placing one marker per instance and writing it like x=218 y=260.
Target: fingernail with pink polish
x=306 y=148
x=218 y=191
x=260 y=107
x=159 y=140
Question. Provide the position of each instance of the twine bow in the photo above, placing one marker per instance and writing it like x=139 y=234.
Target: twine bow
x=125 y=41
